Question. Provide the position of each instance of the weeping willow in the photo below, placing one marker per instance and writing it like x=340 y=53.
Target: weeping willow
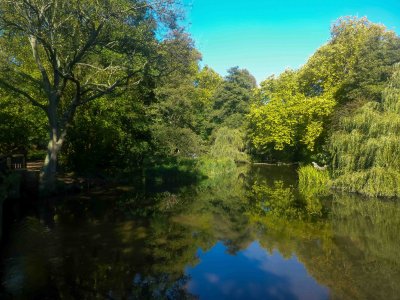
x=226 y=150
x=366 y=149
x=229 y=143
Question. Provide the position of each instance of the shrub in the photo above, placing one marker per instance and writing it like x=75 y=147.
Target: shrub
x=313 y=181
x=211 y=166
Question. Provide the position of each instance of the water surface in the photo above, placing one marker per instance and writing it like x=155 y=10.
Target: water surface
x=250 y=234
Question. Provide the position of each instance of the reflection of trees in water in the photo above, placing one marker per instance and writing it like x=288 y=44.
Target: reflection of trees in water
x=106 y=257
x=353 y=249
x=160 y=287
x=366 y=247
x=348 y=244
x=99 y=261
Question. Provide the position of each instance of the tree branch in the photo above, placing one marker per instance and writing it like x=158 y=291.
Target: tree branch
x=81 y=52
x=111 y=88
x=23 y=93
x=70 y=112
x=45 y=77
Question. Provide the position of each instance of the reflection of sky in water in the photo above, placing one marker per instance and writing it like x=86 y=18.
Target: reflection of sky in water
x=251 y=274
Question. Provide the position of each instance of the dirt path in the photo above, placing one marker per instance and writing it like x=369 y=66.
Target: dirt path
x=34 y=166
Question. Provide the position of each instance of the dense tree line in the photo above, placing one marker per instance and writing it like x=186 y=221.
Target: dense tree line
x=339 y=109
x=61 y=56
x=118 y=86
x=298 y=110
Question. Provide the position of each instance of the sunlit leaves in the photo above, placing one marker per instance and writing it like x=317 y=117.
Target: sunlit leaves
x=285 y=116
x=365 y=149
x=294 y=111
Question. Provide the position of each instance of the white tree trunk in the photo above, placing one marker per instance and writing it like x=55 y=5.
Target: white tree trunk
x=48 y=175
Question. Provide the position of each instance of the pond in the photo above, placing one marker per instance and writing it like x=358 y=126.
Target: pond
x=250 y=234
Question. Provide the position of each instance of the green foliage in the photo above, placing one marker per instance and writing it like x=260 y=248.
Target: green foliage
x=109 y=134
x=366 y=149
x=228 y=143
x=21 y=127
x=297 y=111
x=391 y=94
x=183 y=102
x=212 y=166
x=164 y=106
x=233 y=98
x=375 y=182
x=225 y=151
x=207 y=83
x=183 y=123
x=176 y=141
x=61 y=56
x=285 y=117
x=175 y=102
x=355 y=63
x=152 y=119
x=311 y=179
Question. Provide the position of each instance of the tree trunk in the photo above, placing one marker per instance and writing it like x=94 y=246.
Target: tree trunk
x=49 y=171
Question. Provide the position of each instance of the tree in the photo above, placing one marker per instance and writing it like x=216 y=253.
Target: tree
x=183 y=102
x=207 y=83
x=173 y=112
x=285 y=118
x=61 y=55
x=174 y=92
x=233 y=98
x=366 y=148
x=228 y=143
x=297 y=111
x=107 y=136
x=355 y=63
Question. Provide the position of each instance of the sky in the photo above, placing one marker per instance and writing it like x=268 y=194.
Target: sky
x=267 y=37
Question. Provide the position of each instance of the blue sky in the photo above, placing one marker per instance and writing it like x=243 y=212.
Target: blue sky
x=266 y=37
x=252 y=273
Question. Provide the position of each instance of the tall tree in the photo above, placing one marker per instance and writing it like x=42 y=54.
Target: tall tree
x=355 y=63
x=285 y=122
x=59 y=55
x=119 y=134
x=232 y=100
x=366 y=148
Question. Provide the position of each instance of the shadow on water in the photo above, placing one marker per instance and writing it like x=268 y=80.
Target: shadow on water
x=249 y=234
x=171 y=175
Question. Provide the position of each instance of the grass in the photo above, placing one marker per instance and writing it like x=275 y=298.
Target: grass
x=312 y=180
x=211 y=167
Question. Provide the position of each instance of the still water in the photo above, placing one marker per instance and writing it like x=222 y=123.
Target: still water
x=251 y=234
